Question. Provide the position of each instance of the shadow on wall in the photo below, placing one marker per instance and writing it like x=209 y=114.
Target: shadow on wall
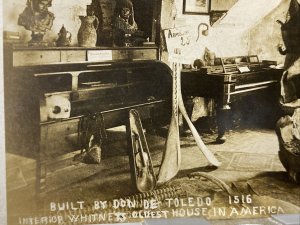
x=268 y=32
x=233 y=35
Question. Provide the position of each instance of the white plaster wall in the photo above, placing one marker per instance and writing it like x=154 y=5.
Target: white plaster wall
x=65 y=12
x=229 y=38
x=172 y=17
x=226 y=40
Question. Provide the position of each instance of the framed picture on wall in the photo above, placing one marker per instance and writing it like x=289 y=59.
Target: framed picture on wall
x=196 y=6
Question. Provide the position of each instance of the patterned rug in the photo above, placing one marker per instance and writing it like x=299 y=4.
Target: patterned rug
x=240 y=161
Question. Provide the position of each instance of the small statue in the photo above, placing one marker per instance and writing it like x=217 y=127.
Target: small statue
x=64 y=38
x=37 y=19
x=125 y=29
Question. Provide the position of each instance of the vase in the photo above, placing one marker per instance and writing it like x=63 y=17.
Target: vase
x=87 y=34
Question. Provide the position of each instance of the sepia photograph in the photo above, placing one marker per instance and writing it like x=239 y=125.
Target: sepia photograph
x=147 y=112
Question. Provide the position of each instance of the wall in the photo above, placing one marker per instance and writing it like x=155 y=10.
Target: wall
x=235 y=34
x=219 y=40
x=172 y=16
x=266 y=35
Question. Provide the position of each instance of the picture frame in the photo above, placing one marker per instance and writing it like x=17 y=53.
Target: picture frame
x=196 y=7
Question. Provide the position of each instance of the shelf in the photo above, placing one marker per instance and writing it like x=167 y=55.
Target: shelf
x=26 y=48
x=95 y=89
x=24 y=56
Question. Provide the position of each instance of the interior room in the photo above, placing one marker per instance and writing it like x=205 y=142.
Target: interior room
x=189 y=105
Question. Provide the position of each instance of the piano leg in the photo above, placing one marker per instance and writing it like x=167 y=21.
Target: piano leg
x=222 y=116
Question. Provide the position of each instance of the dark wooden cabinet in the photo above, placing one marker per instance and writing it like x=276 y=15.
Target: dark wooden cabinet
x=48 y=91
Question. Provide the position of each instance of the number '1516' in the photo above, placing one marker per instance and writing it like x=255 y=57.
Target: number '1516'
x=236 y=199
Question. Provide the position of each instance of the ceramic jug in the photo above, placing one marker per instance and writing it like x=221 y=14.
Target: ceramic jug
x=64 y=38
x=87 y=34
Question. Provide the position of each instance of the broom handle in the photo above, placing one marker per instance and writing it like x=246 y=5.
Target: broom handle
x=172 y=155
x=207 y=153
